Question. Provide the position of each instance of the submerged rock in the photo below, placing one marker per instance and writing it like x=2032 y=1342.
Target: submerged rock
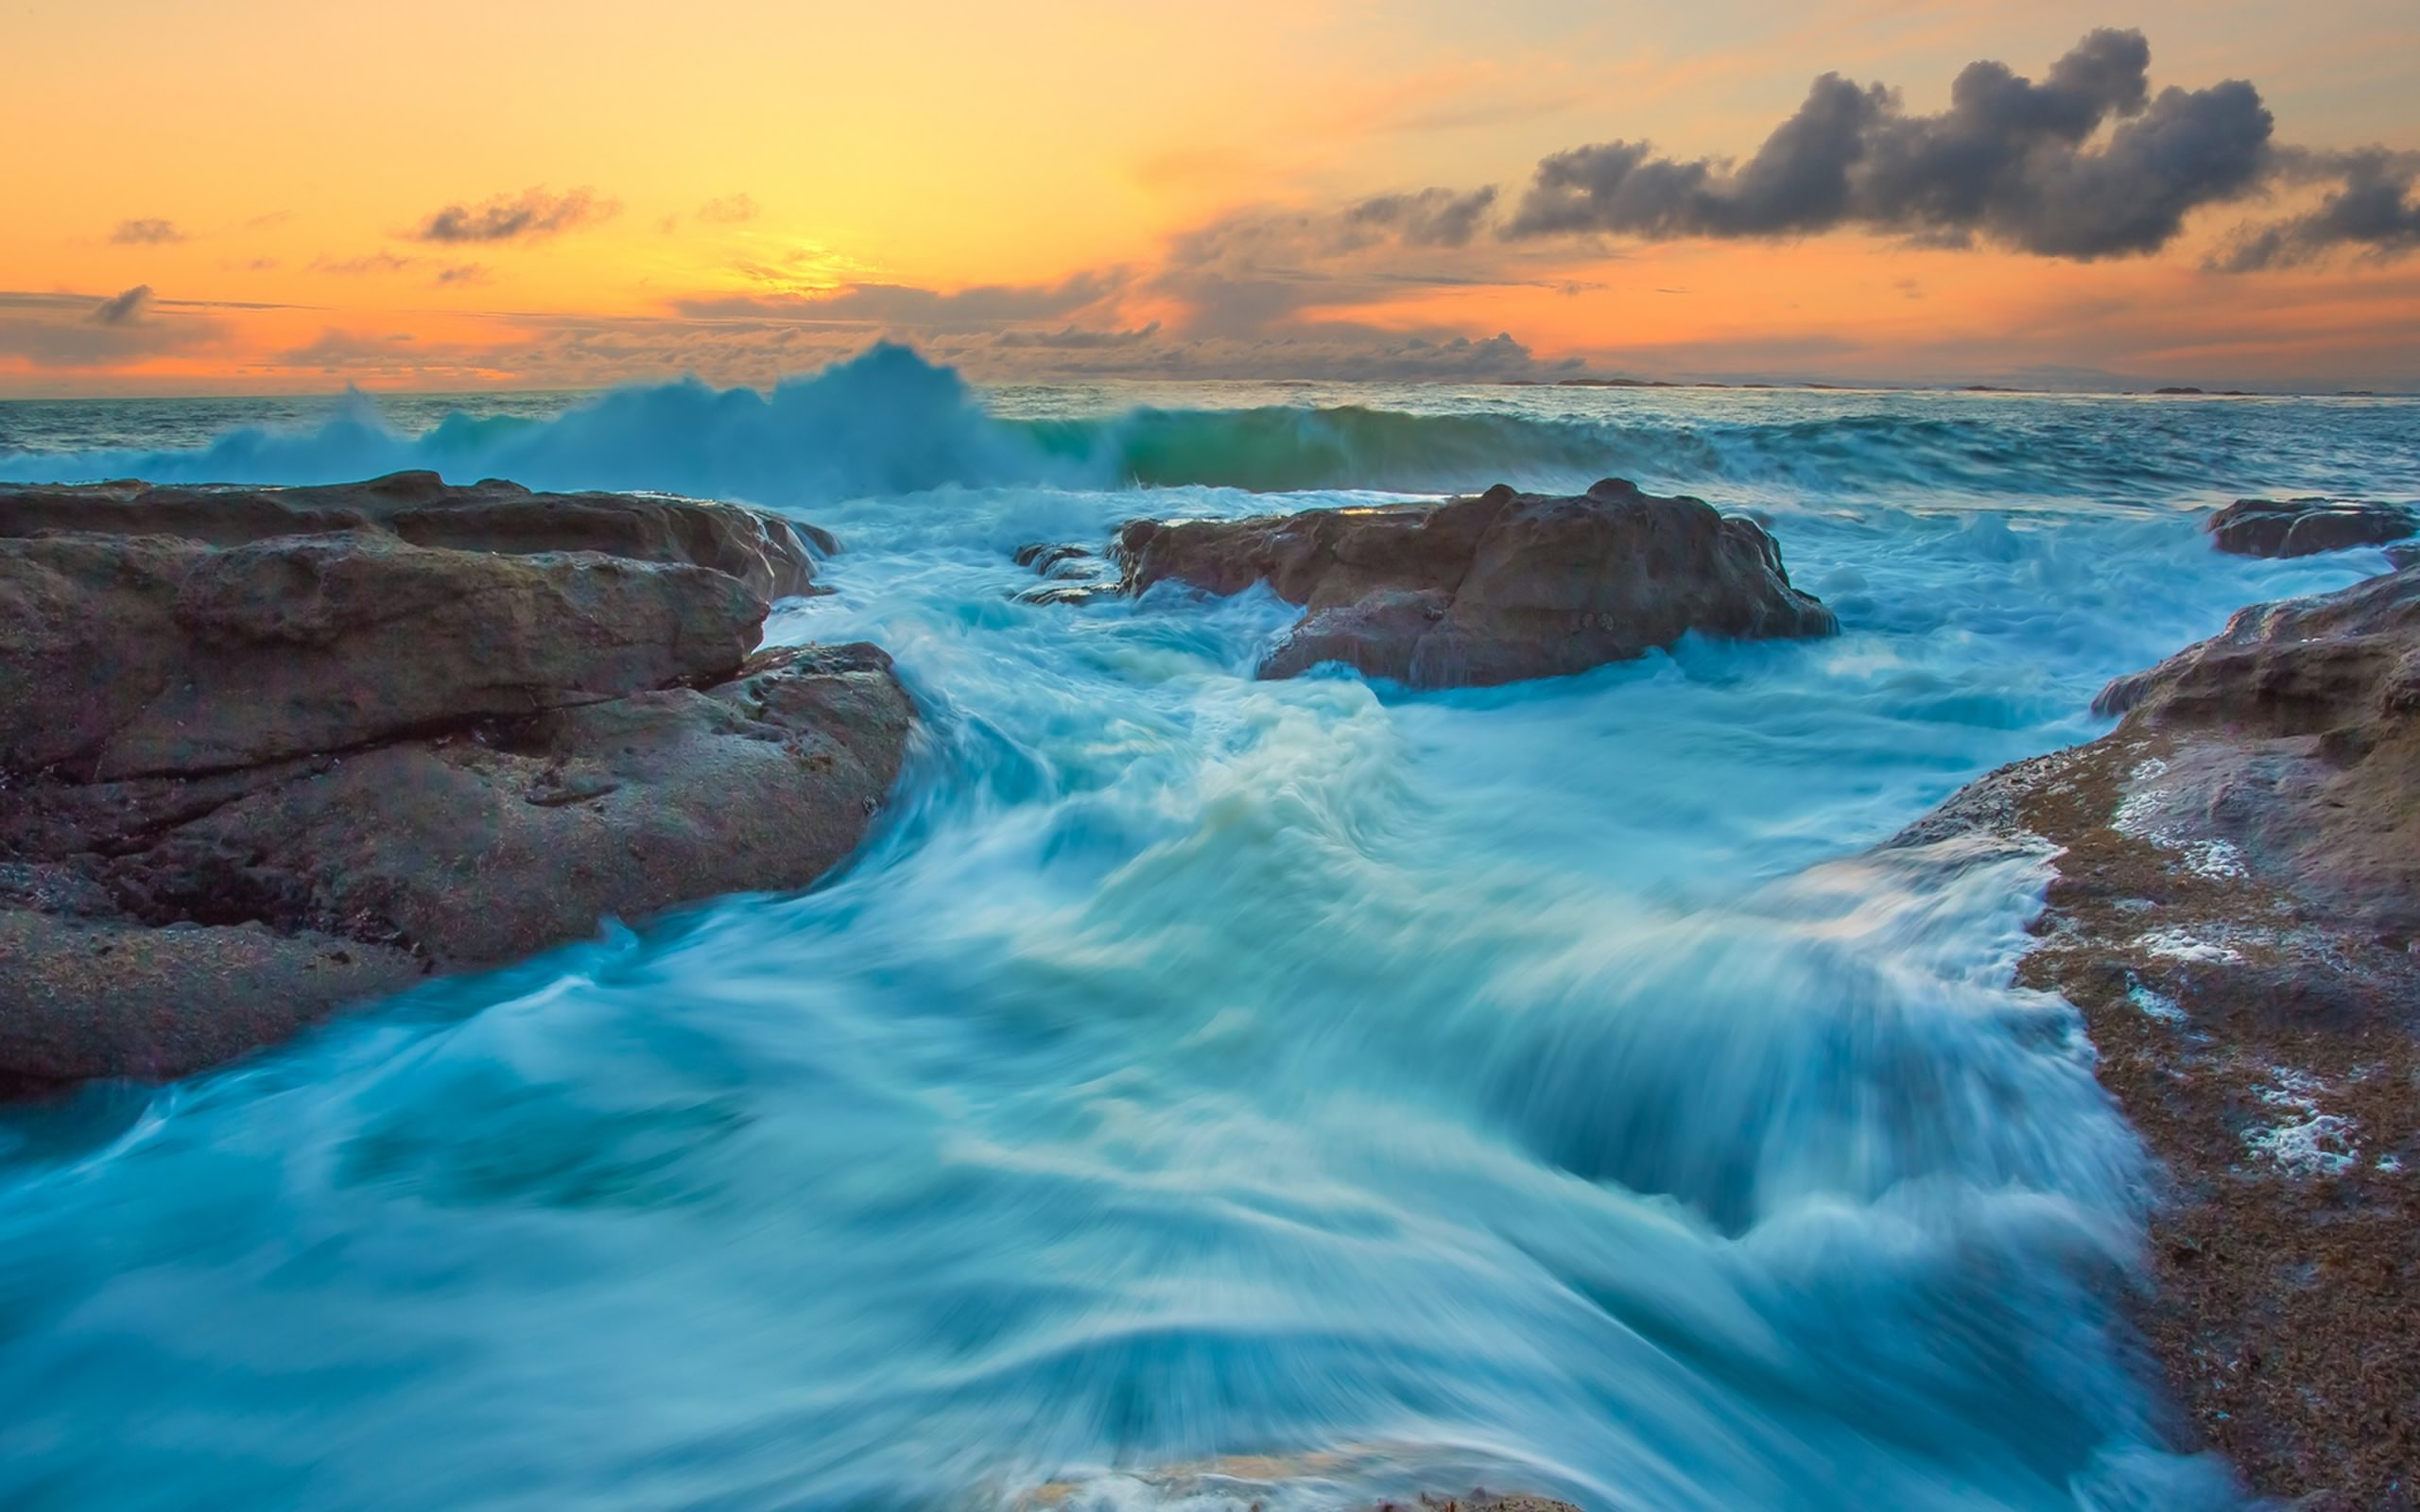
x=241 y=785
x=1490 y=588
x=2305 y=527
x=1071 y=575
x=2233 y=912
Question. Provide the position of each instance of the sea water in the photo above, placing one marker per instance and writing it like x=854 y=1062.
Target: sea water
x=1203 y=1091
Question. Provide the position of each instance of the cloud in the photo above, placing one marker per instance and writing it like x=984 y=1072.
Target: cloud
x=69 y=330
x=2010 y=161
x=908 y=306
x=123 y=309
x=1432 y=218
x=1270 y=240
x=1343 y=351
x=531 y=215
x=1254 y=272
x=1069 y=338
x=336 y=350
x=2375 y=209
x=466 y=274
x=381 y=262
x=728 y=210
x=147 y=232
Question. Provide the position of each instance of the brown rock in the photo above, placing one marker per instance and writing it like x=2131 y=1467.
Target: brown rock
x=81 y=998
x=2300 y=724
x=241 y=787
x=2233 y=915
x=172 y=923
x=2303 y=528
x=1493 y=588
x=763 y=550
x=125 y=656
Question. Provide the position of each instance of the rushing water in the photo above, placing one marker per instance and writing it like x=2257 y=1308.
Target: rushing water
x=1203 y=1091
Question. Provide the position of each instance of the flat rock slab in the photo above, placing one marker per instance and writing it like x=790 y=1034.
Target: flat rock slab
x=1490 y=588
x=772 y=555
x=123 y=656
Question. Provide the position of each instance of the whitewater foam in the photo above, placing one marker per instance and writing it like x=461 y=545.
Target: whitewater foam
x=1203 y=1091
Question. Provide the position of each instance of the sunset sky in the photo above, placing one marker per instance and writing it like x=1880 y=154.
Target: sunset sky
x=277 y=196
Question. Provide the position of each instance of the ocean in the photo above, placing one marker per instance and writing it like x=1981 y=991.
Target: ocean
x=1207 y=1092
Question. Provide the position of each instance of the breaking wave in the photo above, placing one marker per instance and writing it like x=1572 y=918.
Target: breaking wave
x=888 y=422
x=1204 y=1092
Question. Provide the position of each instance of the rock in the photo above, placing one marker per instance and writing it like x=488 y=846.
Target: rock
x=2303 y=528
x=2233 y=912
x=241 y=787
x=1074 y=574
x=83 y=998
x=2303 y=723
x=121 y=657
x=770 y=554
x=1492 y=589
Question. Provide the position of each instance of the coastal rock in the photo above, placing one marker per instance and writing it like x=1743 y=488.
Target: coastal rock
x=1490 y=588
x=773 y=557
x=2234 y=913
x=1071 y=575
x=2302 y=720
x=2305 y=527
x=121 y=657
x=241 y=787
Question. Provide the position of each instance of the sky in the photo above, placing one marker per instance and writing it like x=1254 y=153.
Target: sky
x=277 y=196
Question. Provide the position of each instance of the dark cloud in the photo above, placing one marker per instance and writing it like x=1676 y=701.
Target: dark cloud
x=1432 y=218
x=2375 y=209
x=1338 y=350
x=1069 y=338
x=1276 y=240
x=123 y=309
x=465 y=273
x=530 y=215
x=729 y=210
x=75 y=330
x=147 y=232
x=370 y=263
x=1253 y=271
x=906 y=306
x=2010 y=160
x=339 y=351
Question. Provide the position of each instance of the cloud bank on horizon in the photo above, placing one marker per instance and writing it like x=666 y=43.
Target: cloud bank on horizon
x=2091 y=164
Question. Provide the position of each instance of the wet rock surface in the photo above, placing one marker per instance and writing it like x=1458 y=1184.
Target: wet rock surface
x=243 y=785
x=1070 y=575
x=2305 y=527
x=1495 y=588
x=130 y=656
x=2233 y=913
x=772 y=555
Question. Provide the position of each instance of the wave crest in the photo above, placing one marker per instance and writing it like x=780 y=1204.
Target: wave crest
x=889 y=422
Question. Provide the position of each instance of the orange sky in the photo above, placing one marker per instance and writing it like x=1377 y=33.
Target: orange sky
x=743 y=188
